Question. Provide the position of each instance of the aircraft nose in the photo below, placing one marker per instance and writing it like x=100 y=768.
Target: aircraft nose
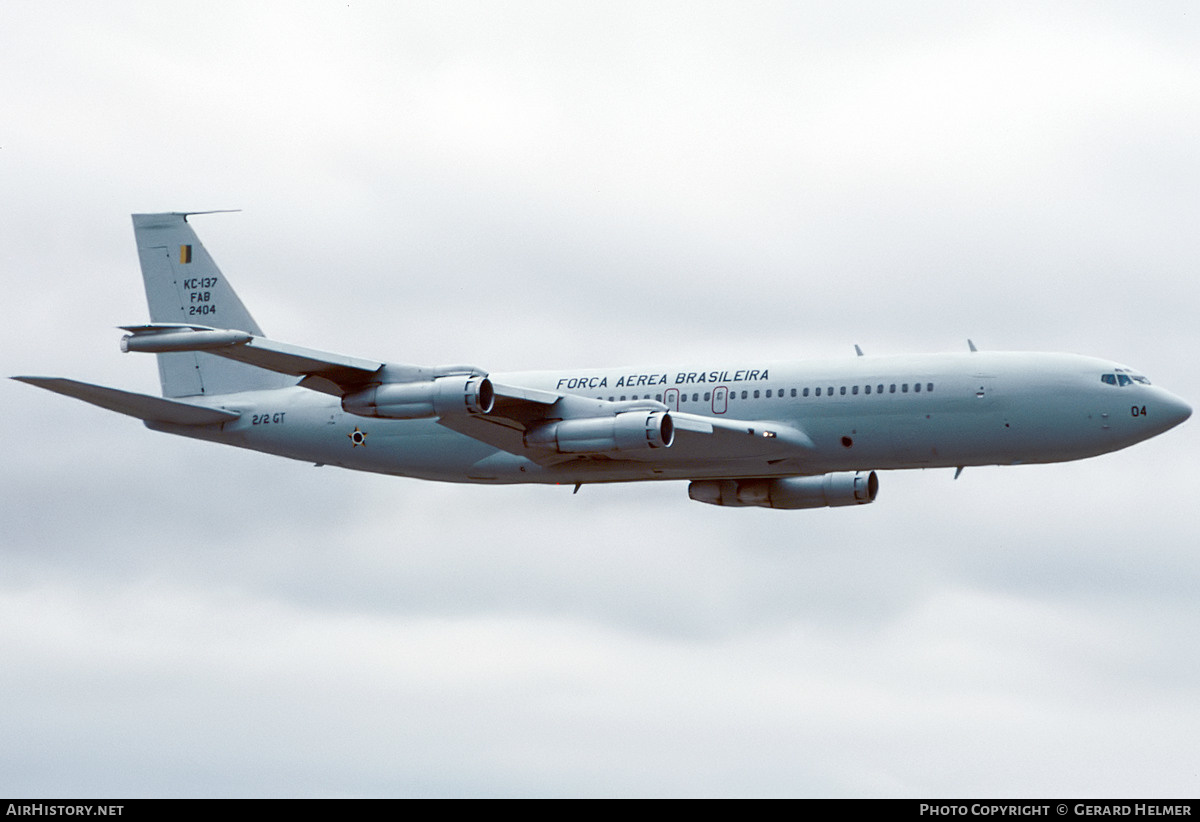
x=1174 y=410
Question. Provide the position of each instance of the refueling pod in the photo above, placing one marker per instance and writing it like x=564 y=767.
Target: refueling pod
x=826 y=491
x=164 y=338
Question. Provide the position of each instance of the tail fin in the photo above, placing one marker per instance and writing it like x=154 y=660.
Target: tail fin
x=184 y=285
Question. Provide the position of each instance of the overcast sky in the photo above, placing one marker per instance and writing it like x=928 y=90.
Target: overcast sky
x=561 y=185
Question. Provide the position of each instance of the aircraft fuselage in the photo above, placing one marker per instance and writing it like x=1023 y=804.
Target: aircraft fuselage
x=860 y=413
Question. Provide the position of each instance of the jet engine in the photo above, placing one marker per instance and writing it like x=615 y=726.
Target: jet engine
x=628 y=431
x=443 y=397
x=826 y=491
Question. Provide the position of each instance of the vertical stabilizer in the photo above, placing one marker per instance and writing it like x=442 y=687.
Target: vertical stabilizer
x=184 y=285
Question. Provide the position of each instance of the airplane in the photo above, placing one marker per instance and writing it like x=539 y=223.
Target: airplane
x=751 y=433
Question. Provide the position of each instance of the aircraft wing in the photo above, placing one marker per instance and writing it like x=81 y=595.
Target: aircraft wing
x=329 y=373
x=545 y=426
x=321 y=371
x=519 y=415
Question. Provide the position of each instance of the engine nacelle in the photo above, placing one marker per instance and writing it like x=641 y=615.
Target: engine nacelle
x=629 y=431
x=442 y=397
x=826 y=491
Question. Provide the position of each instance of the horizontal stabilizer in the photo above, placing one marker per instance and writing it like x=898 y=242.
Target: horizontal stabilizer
x=142 y=406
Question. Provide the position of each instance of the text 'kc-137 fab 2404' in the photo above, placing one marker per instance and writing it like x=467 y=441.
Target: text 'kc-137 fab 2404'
x=801 y=434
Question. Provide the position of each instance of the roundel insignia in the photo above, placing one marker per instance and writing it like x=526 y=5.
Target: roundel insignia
x=358 y=438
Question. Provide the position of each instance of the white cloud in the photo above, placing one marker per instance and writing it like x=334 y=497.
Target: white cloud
x=548 y=186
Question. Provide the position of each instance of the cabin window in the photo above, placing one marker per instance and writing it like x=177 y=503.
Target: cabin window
x=867 y=390
x=854 y=390
x=805 y=391
x=879 y=389
x=928 y=387
x=818 y=391
x=768 y=393
x=755 y=393
x=707 y=396
x=745 y=394
x=892 y=388
x=904 y=388
x=917 y=387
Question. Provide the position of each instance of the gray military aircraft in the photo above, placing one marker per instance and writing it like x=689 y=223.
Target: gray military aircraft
x=805 y=434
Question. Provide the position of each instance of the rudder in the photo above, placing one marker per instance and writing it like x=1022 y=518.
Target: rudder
x=184 y=285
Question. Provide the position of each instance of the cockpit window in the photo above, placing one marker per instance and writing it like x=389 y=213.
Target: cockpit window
x=1123 y=378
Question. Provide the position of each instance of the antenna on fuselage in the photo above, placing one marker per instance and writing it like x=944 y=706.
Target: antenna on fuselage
x=971 y=345
x=857 y=350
